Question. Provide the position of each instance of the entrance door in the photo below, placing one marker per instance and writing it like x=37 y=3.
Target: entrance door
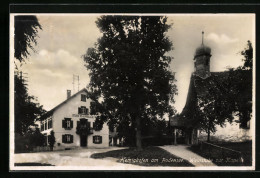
x=83 y=140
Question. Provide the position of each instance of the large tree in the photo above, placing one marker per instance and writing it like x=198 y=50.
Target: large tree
x=26 y=107
x=25 y=33
x=226 y=95
x=241 y=80
x=130 y=71
x=215 y=104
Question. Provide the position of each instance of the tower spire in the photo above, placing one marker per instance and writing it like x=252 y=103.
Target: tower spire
x=202 y=37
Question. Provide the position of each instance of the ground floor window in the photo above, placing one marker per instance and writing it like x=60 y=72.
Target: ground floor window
x=67 y=138
x=97 y=139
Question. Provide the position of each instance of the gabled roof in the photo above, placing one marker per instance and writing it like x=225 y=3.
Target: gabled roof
x=49 y=113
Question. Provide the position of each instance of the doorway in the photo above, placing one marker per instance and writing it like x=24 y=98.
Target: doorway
x=83 y=140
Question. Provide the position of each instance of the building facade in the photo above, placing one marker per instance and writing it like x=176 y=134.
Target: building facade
x=72 y=122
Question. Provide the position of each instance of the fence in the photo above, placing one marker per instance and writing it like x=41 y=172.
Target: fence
x=221 y=153
x=41 y=148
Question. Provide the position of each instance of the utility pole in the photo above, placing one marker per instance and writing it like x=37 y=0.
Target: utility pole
x=75 y=78
x=23 y=77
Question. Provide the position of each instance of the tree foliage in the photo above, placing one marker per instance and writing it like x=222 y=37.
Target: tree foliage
x=215 y=104
x=241 y=82
x=222 y=98
x=25 y=33
x=35 y=137
x=26 y=107
x=51 y=140
x=130 y=70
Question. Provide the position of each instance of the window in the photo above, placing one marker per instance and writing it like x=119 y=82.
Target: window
x=50 y=124
x=83 y=97
x=97 y=139
x=67 y=138
x=45 y=125
x=42 y=126
x=83 y=110
x=67 y=123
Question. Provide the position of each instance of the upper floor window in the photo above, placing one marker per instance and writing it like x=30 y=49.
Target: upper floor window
x=82 y=110
x=83 y=97
x=42 y=126
x=50 y=124
x=67 y=123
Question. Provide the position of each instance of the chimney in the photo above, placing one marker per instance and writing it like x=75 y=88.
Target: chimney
x=68 y=94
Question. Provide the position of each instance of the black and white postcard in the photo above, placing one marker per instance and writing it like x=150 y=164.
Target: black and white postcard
x=131 y=91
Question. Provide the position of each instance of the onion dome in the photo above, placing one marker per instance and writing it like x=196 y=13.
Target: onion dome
x=203 y=49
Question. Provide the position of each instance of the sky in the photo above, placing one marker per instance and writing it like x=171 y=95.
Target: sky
x=65 y=38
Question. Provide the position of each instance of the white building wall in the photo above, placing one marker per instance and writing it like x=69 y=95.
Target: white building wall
x=105 y=137
x=70 y=110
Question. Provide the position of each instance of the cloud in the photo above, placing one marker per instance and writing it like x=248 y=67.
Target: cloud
x=60 y=61
x=221 y=39
x=51 y=73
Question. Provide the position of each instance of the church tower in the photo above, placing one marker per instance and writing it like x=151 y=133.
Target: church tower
x=202 y=60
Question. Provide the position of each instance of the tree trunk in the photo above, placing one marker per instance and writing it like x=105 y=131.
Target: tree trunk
x=208 y=140
x=138 y=134
x=175 y=137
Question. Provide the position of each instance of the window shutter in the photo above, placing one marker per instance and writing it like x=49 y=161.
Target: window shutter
x=71 y=138
x=87 y=111
x=64 y=124
x=79 y=110
x=93 y=138
x=63 y=139
x=94 y=126
x=100 y=139
x=71 y=124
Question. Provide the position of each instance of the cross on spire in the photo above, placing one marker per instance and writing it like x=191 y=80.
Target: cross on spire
x=202 y=37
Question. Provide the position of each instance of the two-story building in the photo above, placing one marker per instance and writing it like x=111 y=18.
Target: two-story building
x=72 y=123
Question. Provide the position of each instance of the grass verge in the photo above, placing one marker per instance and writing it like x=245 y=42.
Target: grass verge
x=148 y=156
x=226 y=158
